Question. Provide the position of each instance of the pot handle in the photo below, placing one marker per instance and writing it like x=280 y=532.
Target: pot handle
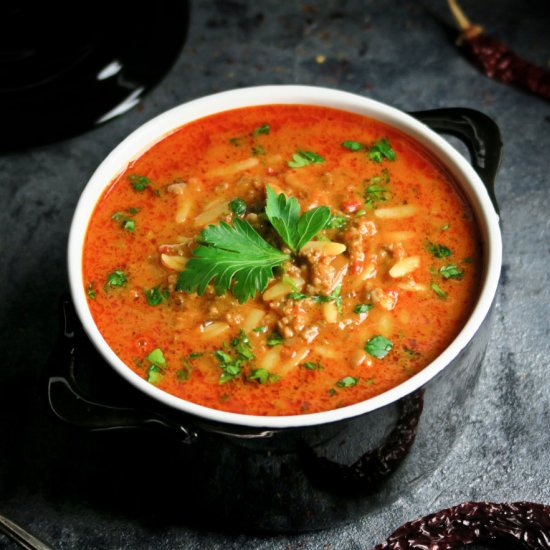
x=69 y=404
x=478 y=132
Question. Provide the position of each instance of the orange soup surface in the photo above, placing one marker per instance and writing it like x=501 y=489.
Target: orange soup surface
x=281 y=260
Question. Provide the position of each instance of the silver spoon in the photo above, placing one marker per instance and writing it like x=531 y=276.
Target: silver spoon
x=20 y=536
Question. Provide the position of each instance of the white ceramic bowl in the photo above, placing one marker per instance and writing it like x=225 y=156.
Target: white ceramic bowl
x=145 y=136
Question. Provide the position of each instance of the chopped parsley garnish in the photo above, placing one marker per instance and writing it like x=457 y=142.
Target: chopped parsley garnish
x=231 y=365
x=156 y=295
x=236 y=141
x=116 y=279
x=378 y=346
x=438 y=290
x=258 y=150
x=381 y=150
x=362 y=308
x=337 y=222
x=126 y=222
x=411 y=352
x=445 y=227
x=243 y=346
x=274 y=339
x=260 y=330
x=238 y=207
x=332 y=392
x=91 y=291
x=184 y=373
x=295 y=229
x=139 y=183
x=310 y=365
x=438 y=250
x=352 y=145
x=236 y=257
x=334 y=296
x=263 y=376
x=261 y=130
x=376 y=190
x=156 y=357
x=347 y=382
x=154 y=374
x=297 y=296
x=304 y=158
x=451 y=272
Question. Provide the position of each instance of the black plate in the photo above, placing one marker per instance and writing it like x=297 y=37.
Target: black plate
x=67 y=68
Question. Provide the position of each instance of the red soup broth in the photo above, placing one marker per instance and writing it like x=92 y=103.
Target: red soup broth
x=373 y=298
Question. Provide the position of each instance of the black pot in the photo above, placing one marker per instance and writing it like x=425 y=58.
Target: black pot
x=294 y=477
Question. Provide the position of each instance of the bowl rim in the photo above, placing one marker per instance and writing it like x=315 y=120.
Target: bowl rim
x=163 y=124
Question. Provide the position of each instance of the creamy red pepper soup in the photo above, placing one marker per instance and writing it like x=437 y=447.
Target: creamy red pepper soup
x=281 y=260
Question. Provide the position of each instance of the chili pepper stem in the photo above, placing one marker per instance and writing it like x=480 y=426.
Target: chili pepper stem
x=468 y=30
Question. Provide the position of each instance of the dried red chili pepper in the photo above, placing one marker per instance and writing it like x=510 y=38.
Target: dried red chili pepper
x=496 y=60
x=523 y=524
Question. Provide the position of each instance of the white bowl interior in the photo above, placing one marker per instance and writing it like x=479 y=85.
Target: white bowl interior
x=154 y=130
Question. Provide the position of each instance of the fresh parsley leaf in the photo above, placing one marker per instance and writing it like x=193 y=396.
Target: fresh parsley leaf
x=133 y=211
x=90 y=291
x=337 y=222
x=139 y=183
x=332 y=392
x=445 y=227
x=156 y=295
x=156 y=357
x=284 y=215
x=261 y=130
x=260 y=330
x=116 y=279
x=362 y=308
x=304 y=158
x=378 y=346
x=236 y=257
x=195 y=354
x=438 y=290
x=347 y=382
x=380 y=150
x=438 y=250
x=238 y=207
x=274 y=339
x=353 y=145
x=451 y=271
x=310 y=365
x=263 y=376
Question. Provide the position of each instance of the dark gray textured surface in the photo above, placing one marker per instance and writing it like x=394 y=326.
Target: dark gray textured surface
x=399 y=54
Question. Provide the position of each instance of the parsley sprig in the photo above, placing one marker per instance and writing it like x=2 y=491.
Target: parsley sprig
x=295 y=229
x=237 y=258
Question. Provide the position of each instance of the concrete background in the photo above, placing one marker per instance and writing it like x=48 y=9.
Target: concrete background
x=398 y=53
